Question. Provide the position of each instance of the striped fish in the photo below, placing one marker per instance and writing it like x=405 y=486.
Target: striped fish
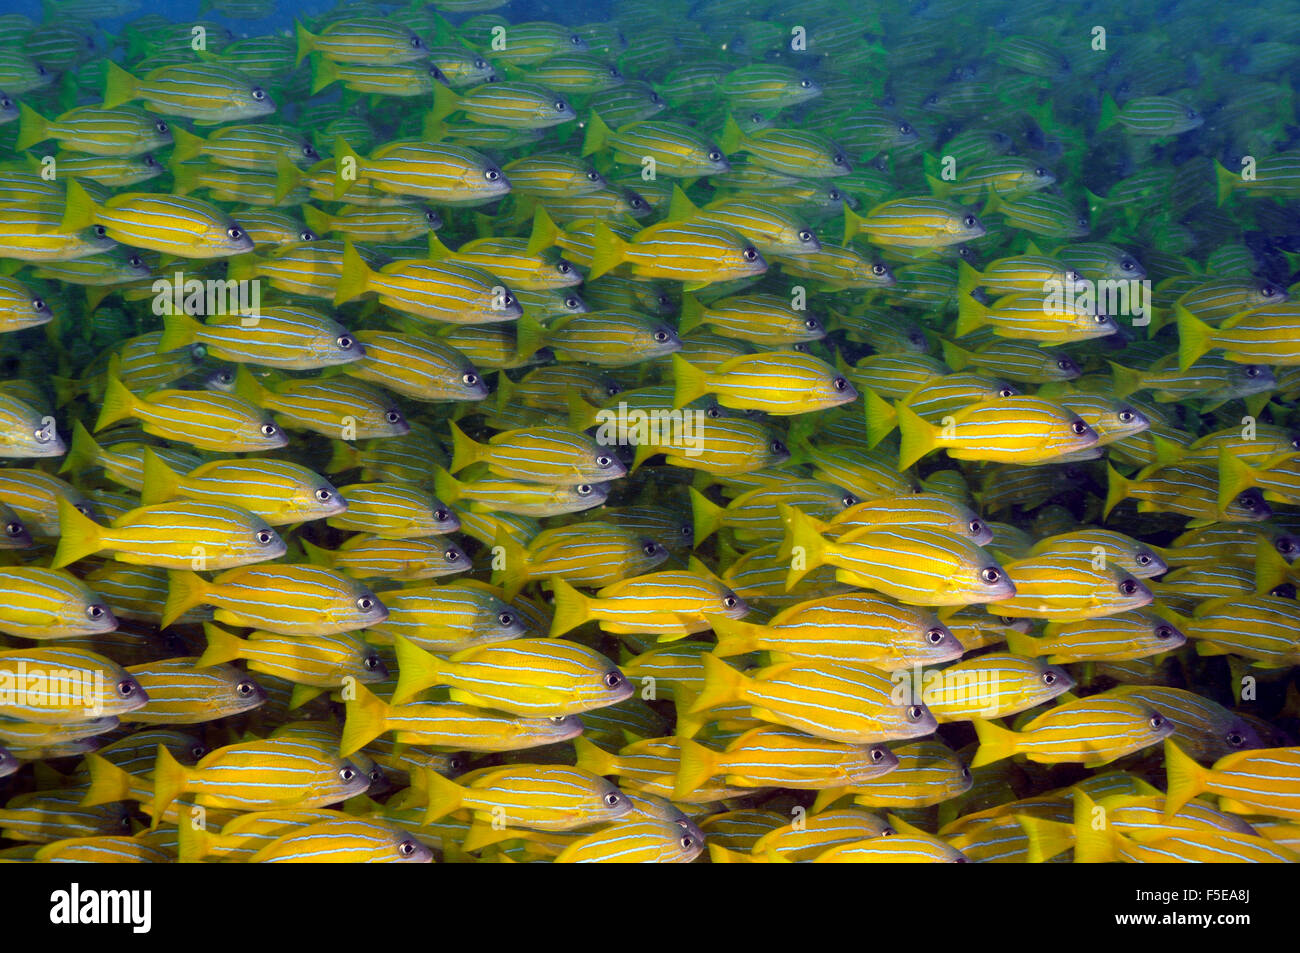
x=1262 y=781
x=376 y=40
x=672 y=604
x=516 y=497
x=95 y=131
x=507 y=104
x=181 y=693
x=454 y=617
x=772 y=756
x=402 y=560
x=1129 y=635
x=789 y=151
x=205 y=93
x=1149 y=116
x=919 y=222
x=61 y=685
x=679 y=151
x=442 y=173
x=635 y=842
x=393 y=510
x=1089 y=731
x=538 y=797
x=322 y=661
x=340 y=408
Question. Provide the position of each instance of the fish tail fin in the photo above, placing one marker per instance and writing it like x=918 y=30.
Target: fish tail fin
x=1224 y=179
x=939 y=187
x=689 y=382
x=287 y=178
x=680 y=208
x=608 y=252
x=119 y=403
x=1185 y=778
x=591 y=757
x=545 y=233
x=722 y=685
x=306 y=41
x=996 y=743
x=169 y=782
x=721 y=855
x=852 y=224
x=222 y=646
x=1126 y=380
x=696 y=765
x=323 y=73
x=160 y=482
x=955 y=356
x=733 y=139
x=179 y=330
x=1271 y=567
x=318 y=221
x=344 y=155
x=366 y=719
x=692 y=315
x=445 y=102
x=971 y=315
x=530 y=336
x=249 y=387
x=1046 y=838
x=79 y=535
x=571 y=608
x=193 y=843
x=355 y=277
x=119 y=86
x=706 y=515
x=513 y=574
x=803 y=544
x=446 y=486
x=968 y=279
x=1118 y=487
x=79 y=208
x=917 y=436
x=185 y=178
x=465 y=451
x=343 y=457
x=735 y=636
x=83 y=452
x=416 y=670
x=1021 y=643
x=1195 y=337
x=597 y=135
x=1235 y=476
x=318 y=556
x=444 y=795
x=32 y=127
x=185 y=590
x=1109 y=112
x=186 y=146
x=881 y=416
x=108 y=782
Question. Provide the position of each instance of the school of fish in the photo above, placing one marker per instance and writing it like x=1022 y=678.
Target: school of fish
x=753 y=432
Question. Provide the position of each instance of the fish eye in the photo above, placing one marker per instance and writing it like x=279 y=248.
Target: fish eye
x=1049 y=678
x=612 y=799
x=991 y=575
x=258 y=93
x=491 y=174
x=347 y=773
x=1065 y=364
x=561 y=105
x=393 y=417
x=1079 y=427
x=1164 y=632
x=235 y=232
x=715 y=155
x=415 y=42
x=43 y=435
x=613 y=679
x=582 y=489
x=264 y=537
x=365 y=603
x=613 y=389
x=135 y=261
x=1282 y=546
x=198 y=751
x=1235 y=739
x=878 y=269
x=127 y=687
x=969 y=221
x=1126 y=416
x=1006 y=392
x=407 y=848
x=840 y=384
x=1128 y=587
x=1267 y=291
x=100 y=231
x=371 y=662
x=82 y=508
x=838 y=158
x=269 y=430
x=750 y=253
x=1040 y=172
x=805 y=235
x=93 y=611
x=713 y=413
x=848 y=499
x=730 y=602
x=1081 y=221
x=935 y=636
x=575 y=40
x=563 y=267
x=306 y=235
x=651 y=548
x=17 y=529
x=572 y=303
x=245 y=689
x=811 y=324
x=915 y=712
x=835 y=195
x=345 y=342
x=149 y=160
x=877 y=754
x=160 y=126
x=1251 y=371
x=1128 y=264
x=932 y=99
x=480 y=63
x=603 y=461
x=1191 y=114
x=1143 y=559
x=905 y=128
x=777 y=447
x=806 y=83
x=309 y=151
x=6 y=102
x=1157 y=721
x=38 y=304
x=976 y=527
x=661 y=336
x=469 y=379
x=1101 y=318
